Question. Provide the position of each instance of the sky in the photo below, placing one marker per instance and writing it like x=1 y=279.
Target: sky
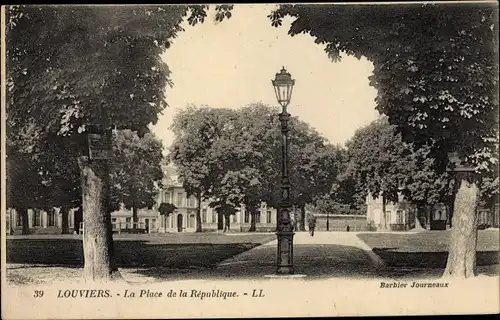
x=230 y=64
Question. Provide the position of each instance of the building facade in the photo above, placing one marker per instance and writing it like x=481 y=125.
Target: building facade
x=40 y=221
x=489 y=217
x=404 y=215
x=149 y=220
x=184 y=217
x=398 y=216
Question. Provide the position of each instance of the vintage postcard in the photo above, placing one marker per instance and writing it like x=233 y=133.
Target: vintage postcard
x=249 y=160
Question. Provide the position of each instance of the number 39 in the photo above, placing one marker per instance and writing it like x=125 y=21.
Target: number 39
x=38 y=294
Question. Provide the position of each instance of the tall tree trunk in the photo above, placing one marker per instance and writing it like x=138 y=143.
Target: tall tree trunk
x=78 y=218
x=198 y=213
x=220 y=221
x=24 y=217
x=253 y=225
x=384 y=215
x=227 y=219
x=134 y=217
x=11 y=223
x=302 y=221
x=462 y=249
x=98 y=238
x=65 y=220
x=431 y=215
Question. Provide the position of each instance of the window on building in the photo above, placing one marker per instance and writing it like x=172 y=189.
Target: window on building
x=214 y=216
x=51 y=221
x=153 y=224
x=128 y=222
x=19 y=219
x=399 y=217
x=192 y=202
x=179 y=199
x=257 y=217
x=268 y=216
x=191 y=221
x=436 y=215
x=247 y=216
x=444 y=214
x=204 y=215
x=37 y=218
x=388 y=217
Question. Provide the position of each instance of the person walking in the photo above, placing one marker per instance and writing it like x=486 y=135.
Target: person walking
x=312 y=224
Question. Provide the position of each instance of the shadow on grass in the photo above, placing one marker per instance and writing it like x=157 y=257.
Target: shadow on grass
x=177 y=261
x=129 y=254
x=430 y=264
x=412 y=255
x=429 y=259
x=316 y=261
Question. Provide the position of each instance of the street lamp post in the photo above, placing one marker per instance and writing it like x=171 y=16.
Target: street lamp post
x=328 y=220
x=283 y=86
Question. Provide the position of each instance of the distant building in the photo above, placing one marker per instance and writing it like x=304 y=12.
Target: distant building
x=150 y=220
x=404 y=215
x=39 y=221
x=489 y=217
x=398 y=216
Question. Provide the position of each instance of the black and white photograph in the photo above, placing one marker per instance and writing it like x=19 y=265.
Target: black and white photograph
x=250 y=160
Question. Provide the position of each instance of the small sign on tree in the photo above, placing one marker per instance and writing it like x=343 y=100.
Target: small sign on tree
x=458 y=165
x=99 y=146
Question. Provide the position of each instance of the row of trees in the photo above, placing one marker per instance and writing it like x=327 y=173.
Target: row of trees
x=382 y=163
x=232 y=158
x=52 y=178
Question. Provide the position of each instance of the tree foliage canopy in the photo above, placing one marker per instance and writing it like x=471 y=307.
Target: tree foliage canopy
x=436 y=81
x=234 y=156
x=136 y=171
x=384 y=165
x=73 y=67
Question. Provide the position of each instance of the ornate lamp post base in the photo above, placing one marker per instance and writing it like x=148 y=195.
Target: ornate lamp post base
x=285 y=252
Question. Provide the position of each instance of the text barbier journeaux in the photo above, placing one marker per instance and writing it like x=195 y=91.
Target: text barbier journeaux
x=146 y=293
x=414 y=284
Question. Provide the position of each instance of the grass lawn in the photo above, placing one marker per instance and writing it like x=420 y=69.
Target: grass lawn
x=429 y=249
x=172 y=251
